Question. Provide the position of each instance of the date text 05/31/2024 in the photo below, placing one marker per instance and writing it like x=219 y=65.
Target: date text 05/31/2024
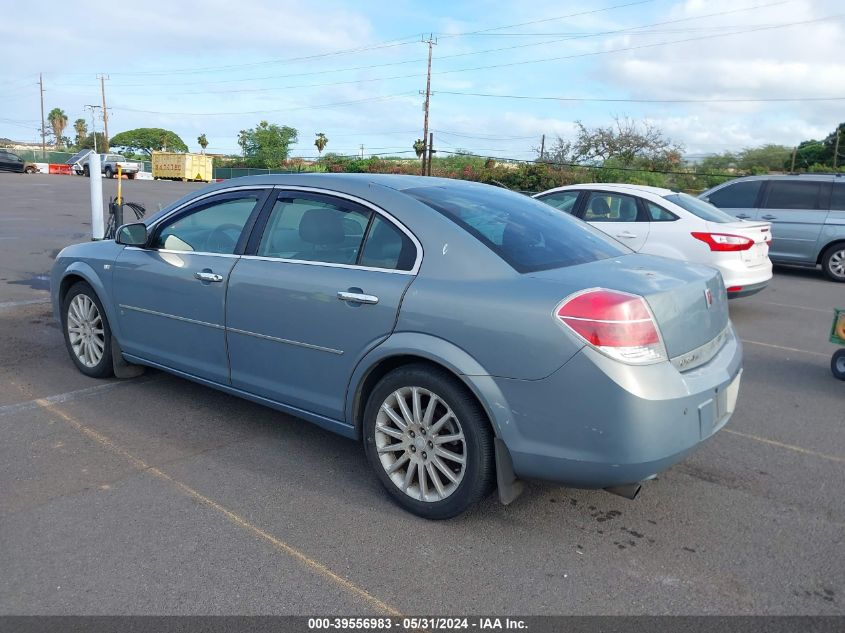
x=417 y=623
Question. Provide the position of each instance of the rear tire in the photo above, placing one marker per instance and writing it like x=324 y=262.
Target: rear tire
x=108 y=172
x=86 y=331
x=833 y=262
x=441 y=462
x=837 y=364
x=86 y=171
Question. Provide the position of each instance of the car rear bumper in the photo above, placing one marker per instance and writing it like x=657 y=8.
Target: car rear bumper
x=737 y=274
x=735 y=292
x=596 y=423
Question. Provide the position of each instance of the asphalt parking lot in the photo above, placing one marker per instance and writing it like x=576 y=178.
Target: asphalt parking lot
x=159 y=496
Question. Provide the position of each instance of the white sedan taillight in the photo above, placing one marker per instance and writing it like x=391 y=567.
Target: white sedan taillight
x=618 y=324
x=724 y=241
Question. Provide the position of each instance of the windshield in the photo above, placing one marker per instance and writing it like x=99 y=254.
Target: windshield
x=704 y=210
x=529 y=235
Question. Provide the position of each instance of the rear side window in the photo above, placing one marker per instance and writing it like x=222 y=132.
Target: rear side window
x=837 y=200
x=791 y=194
x=313 y=230
x=657 y=213
x=739 y=195
x=528 y=234
x=387 y=247
x=610 y=207
x=704 y=210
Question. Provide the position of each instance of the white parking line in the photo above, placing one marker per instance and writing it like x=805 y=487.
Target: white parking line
x=794 y=307
x=791 y=447
x=786 y=349
x=23 y=302
x=38 y=403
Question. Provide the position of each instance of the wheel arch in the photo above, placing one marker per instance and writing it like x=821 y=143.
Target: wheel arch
x=413 y=348
x=81 y=271
x=837 y=241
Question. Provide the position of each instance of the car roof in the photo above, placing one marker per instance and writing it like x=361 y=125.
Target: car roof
x=399 y=182
x=621 y=187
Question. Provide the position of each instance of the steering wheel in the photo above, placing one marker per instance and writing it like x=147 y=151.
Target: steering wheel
x=220 y=240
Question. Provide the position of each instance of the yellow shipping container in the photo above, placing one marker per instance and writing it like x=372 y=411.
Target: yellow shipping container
x=176 y=166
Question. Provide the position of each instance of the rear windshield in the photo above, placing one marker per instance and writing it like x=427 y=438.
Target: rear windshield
x=529 y=235
x=704 y=210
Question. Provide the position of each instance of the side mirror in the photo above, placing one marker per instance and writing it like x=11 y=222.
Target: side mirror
x=134 y=234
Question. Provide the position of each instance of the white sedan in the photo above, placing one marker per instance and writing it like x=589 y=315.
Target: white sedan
x=658 y=221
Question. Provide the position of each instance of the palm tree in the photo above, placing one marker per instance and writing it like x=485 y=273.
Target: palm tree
x=58 y=121
x=203 y=142
x=321 y=142
x=81 y=129
x=419 y=147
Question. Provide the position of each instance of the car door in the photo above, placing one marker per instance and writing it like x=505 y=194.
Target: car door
x=738 y=198
x=619 y=215
x=171 y=294
x=10 y=161
x=320 y=287
x=797 y=210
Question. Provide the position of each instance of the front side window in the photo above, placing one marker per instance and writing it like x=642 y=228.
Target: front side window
x=791 y=194
x=215 y=227
x=528 y=234
x=314 y=230
x=562 y=200
x=837 y=200
x=703 y=210
x=610 y=207
x=739 y=195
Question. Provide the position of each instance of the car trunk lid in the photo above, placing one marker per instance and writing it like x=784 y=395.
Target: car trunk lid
x=688 y=301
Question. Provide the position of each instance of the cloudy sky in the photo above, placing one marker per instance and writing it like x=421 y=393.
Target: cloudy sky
x=714 y=74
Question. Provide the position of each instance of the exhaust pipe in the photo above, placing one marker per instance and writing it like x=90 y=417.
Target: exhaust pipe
x=629 y=491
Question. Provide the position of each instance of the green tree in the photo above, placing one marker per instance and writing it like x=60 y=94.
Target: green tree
x=268 y=145
x=242 y=136
x=88 y=142
x=81 y=129
x=148 y=140
x=321 y=142
x=419 y=147
x=766 y=158
x=58 y=121
x=202 y=141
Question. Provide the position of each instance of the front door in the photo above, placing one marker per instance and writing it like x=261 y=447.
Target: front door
x=320 y=287
x=619 y=216
x=171 y=295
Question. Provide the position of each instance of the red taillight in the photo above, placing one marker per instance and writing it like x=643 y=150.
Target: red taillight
x=734 y=288
x=724 y=241
x=616 y=323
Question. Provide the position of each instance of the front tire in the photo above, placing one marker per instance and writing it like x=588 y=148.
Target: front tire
x=833 y=262
x=86 y=331
x=429 y=442
x=837 y=364
x=108 y=172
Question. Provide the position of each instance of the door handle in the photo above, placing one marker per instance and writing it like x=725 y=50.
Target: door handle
x=769 y=217
x=357 y=297
x=743 y=216
x=208 y=276
x=626 y=234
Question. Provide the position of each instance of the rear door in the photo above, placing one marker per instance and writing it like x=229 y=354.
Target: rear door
x=738 y=198
x=320 y=286
x=797 y=210
x=619 y=215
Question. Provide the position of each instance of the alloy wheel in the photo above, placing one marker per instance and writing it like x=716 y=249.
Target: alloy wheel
x=85 y=330
x=836 y=263
x=421 y=444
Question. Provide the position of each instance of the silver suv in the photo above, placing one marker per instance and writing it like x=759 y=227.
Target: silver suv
x=807 y=213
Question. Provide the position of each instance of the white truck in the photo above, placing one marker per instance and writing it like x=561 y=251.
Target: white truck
x=108 y=164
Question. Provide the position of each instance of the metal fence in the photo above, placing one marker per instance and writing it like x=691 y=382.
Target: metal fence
x=226 y=173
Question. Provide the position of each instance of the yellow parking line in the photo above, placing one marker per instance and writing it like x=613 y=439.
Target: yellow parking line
x=786 y=349
x=278 y=544
x=791 y=447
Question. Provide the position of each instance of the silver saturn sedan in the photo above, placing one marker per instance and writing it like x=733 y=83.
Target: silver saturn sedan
x=469 y=336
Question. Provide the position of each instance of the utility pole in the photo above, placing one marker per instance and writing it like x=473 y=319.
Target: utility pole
x=430 y=152
x=93 y=124
x=43 y=123
x=542 y=147
x=362 y=151
x=836 y=150
x=431 y=42
x=794 y=152
x=102 y=79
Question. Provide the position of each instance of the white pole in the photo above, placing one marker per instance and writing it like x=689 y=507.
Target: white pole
x=98 y=228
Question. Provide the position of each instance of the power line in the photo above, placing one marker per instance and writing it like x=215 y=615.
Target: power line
x=614 y=100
